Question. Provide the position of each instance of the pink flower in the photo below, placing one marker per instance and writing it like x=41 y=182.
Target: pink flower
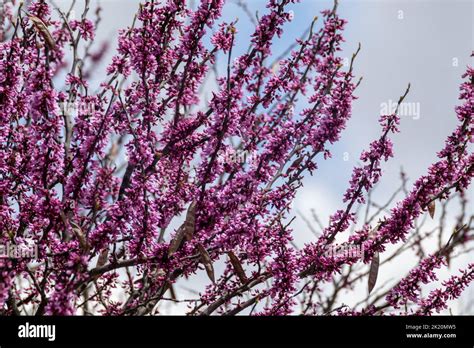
x=85 y=27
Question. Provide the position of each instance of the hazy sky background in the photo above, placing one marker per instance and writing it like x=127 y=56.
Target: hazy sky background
x=425 y=43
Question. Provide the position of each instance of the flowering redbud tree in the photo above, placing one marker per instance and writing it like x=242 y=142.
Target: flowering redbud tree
x=112 y=205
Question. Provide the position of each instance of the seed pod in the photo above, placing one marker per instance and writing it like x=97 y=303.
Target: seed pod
x=207 y=262
x=237 y=265
x=295 y=164
x=374 y=265
x=374 y=271
x=121 y=253
x=42 y=29
x=102 y=260
x=432 y=208
x=80 y=236
x=190 y=222
x=185 y=230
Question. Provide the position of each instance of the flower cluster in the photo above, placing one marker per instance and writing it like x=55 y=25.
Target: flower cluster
x=453 y=287
x=85 y=28
x=408 y=289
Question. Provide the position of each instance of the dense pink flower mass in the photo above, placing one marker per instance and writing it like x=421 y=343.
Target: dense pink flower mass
x=127 y=190
x=453 y=288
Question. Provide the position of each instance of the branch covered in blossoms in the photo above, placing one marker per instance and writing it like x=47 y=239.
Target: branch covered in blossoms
x=184 y=161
